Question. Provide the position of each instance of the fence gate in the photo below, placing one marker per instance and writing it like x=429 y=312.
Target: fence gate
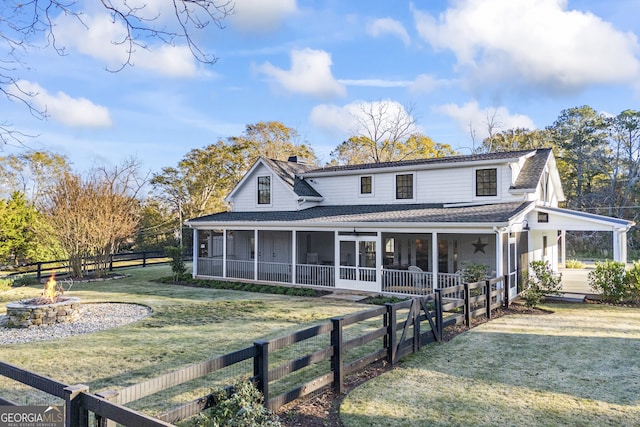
x=411 y=337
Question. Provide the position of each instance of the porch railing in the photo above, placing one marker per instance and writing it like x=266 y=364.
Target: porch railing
x=210 y=267
x=274 y=271
x=240 y=269
x=364 y=274
x=317 y=275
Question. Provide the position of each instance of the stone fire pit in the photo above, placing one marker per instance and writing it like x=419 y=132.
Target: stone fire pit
x=27 y=313
x=51 y=308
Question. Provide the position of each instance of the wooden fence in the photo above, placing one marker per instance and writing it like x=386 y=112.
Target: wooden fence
x=326 y=353
x=119 y=260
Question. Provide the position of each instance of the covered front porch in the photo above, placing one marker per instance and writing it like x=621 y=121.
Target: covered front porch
x=410 y=262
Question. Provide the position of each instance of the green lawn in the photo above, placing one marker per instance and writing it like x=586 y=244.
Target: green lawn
x=576 y=367
x=188 y=325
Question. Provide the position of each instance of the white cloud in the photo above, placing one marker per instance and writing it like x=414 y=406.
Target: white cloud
x=536 y=42
x=72 y=112
x=471 y=116
x=376 y=83
x=427 y=83
x=310 y=74
x=260 y=16
x=99 y=39
x=351 y=118
x=390 y=26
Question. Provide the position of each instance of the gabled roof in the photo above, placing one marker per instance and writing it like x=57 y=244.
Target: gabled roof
x=531 y=172
x=287 y=172
x=486 y=157
x=408 y=213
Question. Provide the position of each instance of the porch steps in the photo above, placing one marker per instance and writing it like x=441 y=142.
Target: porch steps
x=567 y=297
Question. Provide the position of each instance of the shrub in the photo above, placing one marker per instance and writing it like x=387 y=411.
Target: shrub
x=243 y=408
x=5 y=284
x=608 y=279
x=574 y=263
x=177 y=261
x=632 y=280
x=472 y=272
x=542 y=282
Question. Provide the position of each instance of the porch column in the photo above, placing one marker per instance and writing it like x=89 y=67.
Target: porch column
x=499 y=254
x=379 y=272
x=195 y=253
x=620 y=246
x=563 y=247
x=256 y=255
x=336 y=257
x=434 y=259
x=224 y=252
x=294 y=253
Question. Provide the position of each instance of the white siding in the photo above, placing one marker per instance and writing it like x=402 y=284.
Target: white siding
x=452 y=185
x=246 y=196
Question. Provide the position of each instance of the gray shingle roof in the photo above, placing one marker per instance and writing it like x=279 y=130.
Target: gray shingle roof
x=436 y=160
x=289 y=173
x=417 y=213
x=531 y=172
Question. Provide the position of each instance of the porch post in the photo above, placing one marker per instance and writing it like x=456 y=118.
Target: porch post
x=195 y=252
x=294 y=255
x=499 y=257
x=620 y=246
x=563 y=247
x=336 y=257
x=379 y=269
x=255 y=254
x=623 y=246
x=434 y=259
x=224 y=252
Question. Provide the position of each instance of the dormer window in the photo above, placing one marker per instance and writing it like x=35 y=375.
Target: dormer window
x=404 y=186
x=366 y=185
x=486 y=182
x=264 y=190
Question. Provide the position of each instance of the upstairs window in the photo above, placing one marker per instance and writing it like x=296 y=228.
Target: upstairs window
x=366 y=184
x=264 y=190
x=486 y=182
x=404 y=186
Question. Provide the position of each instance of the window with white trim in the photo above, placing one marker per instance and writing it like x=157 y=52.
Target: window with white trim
x=404 y=186
x=486 y=182
x=264 y=190
x=366 y=185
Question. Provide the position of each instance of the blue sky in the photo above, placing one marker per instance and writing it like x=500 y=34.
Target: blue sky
x=313 y=64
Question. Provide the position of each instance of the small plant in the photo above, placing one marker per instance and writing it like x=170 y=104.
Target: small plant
x=542 y=282
x=177 y=261
x=5 y=284
x=243 y=408
x=472 y=272
x=632 y=280
x=574 y=263
x=609 y=280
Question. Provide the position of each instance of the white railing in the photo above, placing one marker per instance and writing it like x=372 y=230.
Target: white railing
x=240 y=269
x=407 y=282
x=367 y=274
x=274 y=272
x=210 y=267
x=348 y=273
x=318 y=275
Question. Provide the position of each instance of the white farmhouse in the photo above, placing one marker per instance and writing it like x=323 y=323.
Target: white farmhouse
x=406 y=226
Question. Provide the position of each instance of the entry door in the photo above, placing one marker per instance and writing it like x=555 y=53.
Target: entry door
x=275 y=246
x=512 y=262
x=358 y=263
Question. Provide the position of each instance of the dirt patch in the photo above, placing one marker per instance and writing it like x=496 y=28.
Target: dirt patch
x=323 y=409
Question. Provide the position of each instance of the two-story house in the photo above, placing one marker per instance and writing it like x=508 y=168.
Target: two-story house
x=406 y=226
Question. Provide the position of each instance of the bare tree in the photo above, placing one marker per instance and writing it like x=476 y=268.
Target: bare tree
x=23 y=23
x=93 y=216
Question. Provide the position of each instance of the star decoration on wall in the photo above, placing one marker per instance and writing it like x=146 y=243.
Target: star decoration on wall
x=479 y=246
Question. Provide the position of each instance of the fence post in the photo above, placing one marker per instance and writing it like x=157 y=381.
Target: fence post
x=506 y=288
x=391 y=332
x=488 y=298
x=415 y=309
x=336 y=358
x=39 y=272
x=439 y=317
x=144 y=258
x=261 y=369
x=110 y=262
x=75 y=416
x=112 y=396
x=467 y=305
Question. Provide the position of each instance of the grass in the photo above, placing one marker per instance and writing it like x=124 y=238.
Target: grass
x=188 y=325
x=575 y=367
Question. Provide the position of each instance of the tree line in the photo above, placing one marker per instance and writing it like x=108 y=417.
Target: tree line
x=49 y=211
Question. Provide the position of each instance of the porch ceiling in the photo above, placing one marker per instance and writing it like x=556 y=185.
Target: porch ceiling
x=489 y=214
